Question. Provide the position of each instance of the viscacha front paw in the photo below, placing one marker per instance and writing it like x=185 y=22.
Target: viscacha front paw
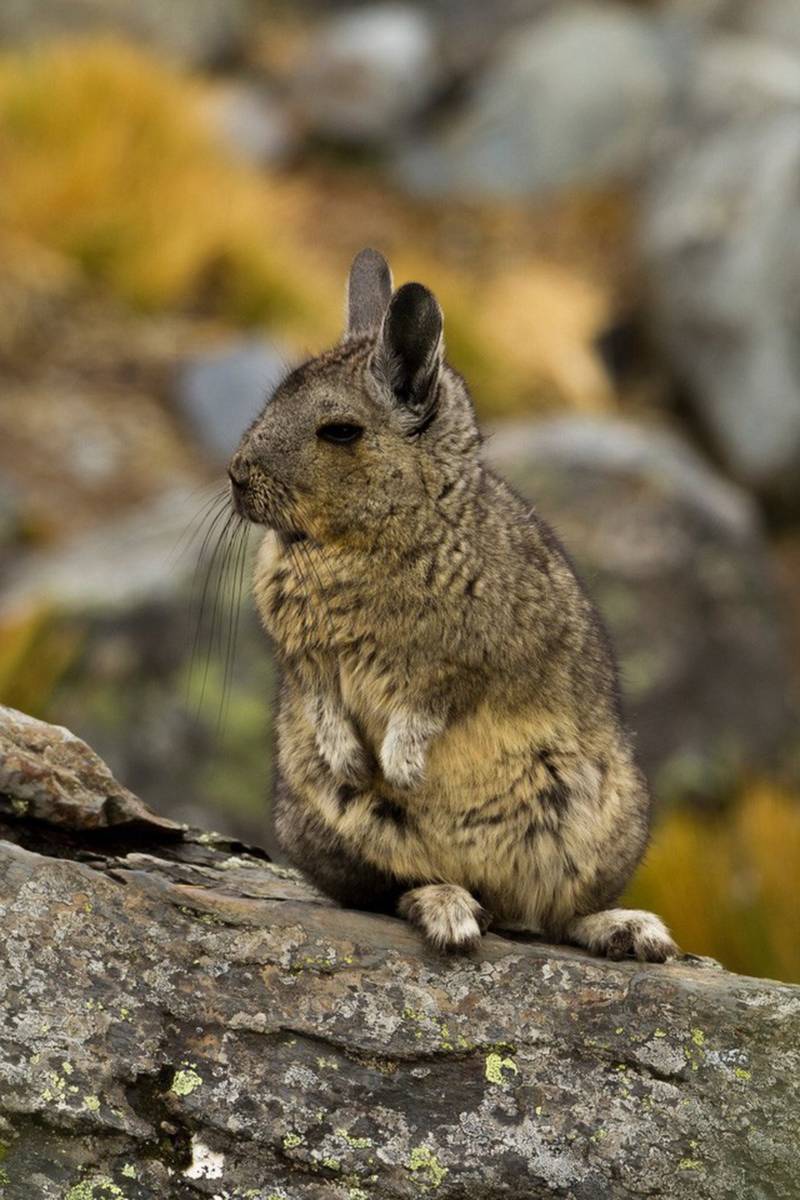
x=342 y=749
x=402 y=759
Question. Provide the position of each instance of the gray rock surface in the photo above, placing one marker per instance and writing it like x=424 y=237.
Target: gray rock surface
x=469 y=30
x=251 y=123
x=773 y=20
x=367 y=73
x=740 y=80
x=220 y=393
x=575 y=97
x=719 y=237
x=197 y=32
x=144 y=556
x=725 y=270
x=677 y=561
x=181 y=1018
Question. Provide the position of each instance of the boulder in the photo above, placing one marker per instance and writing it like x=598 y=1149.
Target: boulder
x=251 y=123
x=367 y=73
x=719 y=238
x=676 y=558
x=470 y=30
x=573 y=98
x=220 y=393
x=772 y=20
x=739 y=81
x=182 y=1018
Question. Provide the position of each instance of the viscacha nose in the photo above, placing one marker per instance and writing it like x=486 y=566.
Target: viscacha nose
x=238 y=473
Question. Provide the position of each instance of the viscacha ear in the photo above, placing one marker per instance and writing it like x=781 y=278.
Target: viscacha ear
x=410 y=349
x=369 y=290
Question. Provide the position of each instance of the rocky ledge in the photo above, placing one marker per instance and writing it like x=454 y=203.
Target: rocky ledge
x=179 y=1017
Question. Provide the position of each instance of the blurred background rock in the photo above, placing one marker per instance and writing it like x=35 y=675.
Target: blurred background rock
x=606 y=198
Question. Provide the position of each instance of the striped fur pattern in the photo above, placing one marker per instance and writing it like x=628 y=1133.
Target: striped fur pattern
x=449 y=739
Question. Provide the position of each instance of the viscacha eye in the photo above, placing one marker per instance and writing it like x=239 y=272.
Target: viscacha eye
x=342 y=435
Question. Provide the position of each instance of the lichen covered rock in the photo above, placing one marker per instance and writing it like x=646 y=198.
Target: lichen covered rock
x=182 y=1018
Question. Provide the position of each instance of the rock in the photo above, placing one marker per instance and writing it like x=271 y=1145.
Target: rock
x=574 y=98
x=738 y=80
x=470 y=30
x=182 y=1017
x=196 y=32
x=219 y=394
x=48 y=774
x=128 y=561
x=250 y=123
x=772 y=20
x=368 y=72
x=719 y=236
x=677 y=561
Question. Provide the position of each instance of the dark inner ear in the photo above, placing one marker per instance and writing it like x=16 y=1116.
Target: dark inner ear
x=412 y=344
x=369 y=290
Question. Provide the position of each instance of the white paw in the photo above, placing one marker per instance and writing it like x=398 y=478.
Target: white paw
x=404 y=752
x=403 y=758
x=625 y=933
x=348 y=764
x=339 y=744
x=450 y=918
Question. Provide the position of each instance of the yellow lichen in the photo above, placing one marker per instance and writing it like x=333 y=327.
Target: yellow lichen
x=496 y=1064
x=95 y=1189
x=185 y=1082
x=423 y=1159
x=358 y=1143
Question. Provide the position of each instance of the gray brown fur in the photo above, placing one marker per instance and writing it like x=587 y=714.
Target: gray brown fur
x=449 y=738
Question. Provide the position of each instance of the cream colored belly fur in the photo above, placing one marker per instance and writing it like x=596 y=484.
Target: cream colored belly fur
x=472 y=765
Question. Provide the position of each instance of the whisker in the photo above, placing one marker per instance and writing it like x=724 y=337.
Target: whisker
x=213 y=577
x=239 y=544
x=215 y=643
x=194 y=525
x=201 y=554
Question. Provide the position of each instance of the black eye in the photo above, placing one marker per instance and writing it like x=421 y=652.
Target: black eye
x=340 y=434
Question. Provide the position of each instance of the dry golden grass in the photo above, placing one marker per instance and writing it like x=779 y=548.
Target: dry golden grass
x=107 y=159
x=105 y=156
x=34 y=654
x=727 y=884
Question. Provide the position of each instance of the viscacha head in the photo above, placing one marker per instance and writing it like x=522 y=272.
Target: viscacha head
x=367 y=432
